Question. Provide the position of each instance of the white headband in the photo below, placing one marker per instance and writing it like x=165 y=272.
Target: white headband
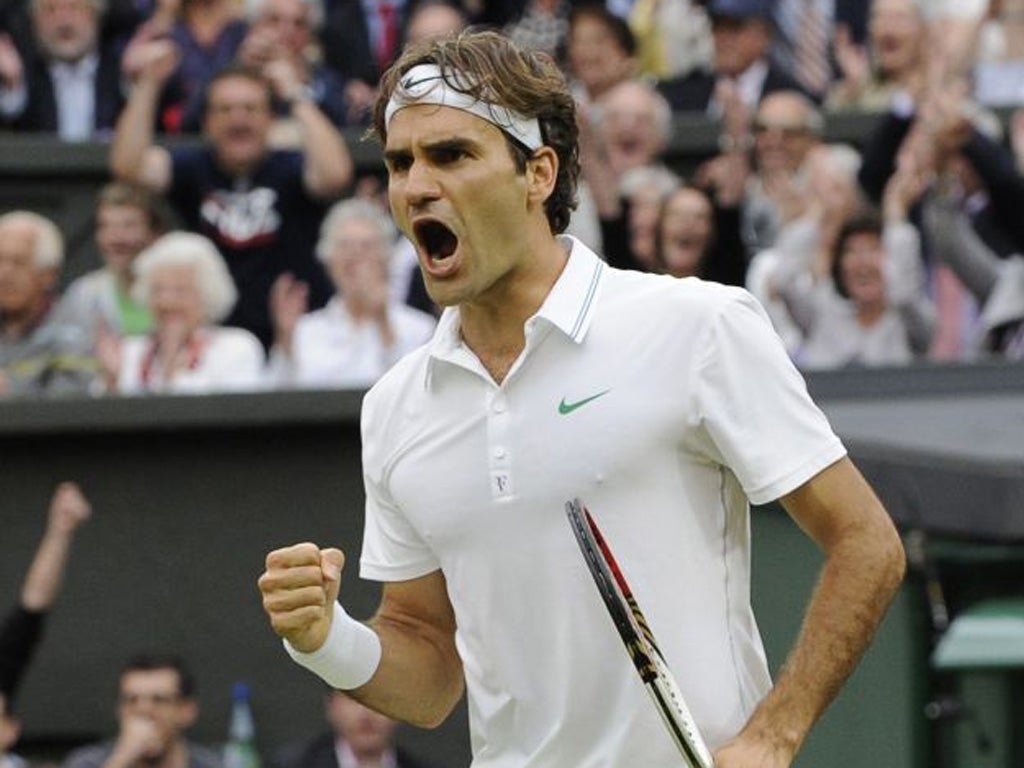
x=426 y=84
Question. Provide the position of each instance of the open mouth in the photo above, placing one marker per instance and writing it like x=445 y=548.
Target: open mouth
x=435 y=238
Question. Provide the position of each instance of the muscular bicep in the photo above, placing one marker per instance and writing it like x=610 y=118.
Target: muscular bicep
x=421 y=602
x=420 y=676
x=836 y=502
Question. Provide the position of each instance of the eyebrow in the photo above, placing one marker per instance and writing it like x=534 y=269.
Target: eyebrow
x=433 y=147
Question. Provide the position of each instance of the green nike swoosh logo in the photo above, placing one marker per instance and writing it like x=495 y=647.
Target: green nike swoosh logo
x=564 y=407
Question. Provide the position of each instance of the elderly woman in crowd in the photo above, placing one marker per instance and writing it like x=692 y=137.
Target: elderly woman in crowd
x=184 y=282
x=361 y=332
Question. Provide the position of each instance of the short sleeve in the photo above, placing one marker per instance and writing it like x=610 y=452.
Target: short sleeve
x=754 y=405
x=393 y=550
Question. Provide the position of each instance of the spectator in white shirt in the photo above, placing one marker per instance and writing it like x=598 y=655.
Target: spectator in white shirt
x=184 y=281
x=361 y=332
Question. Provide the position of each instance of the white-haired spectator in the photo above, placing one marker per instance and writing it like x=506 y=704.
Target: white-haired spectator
x=361 y=332
x=39 y=355
x=184 y=281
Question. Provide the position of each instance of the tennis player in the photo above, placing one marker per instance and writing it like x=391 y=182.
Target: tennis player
x=664 y=404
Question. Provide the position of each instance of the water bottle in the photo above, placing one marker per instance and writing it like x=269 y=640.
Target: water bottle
x=240 y=749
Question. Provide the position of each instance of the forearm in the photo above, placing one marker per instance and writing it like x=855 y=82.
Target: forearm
x=134 y=133
x=419 y=679
x=45 y=574
x=859 y=579
x=328 y=163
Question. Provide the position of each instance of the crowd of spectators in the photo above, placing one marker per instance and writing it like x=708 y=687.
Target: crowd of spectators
x=214 y=278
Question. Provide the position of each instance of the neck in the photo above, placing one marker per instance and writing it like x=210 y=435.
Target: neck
x=493 y=327
x=869 y=314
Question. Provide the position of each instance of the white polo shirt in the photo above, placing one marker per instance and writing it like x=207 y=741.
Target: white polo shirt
x=664 y=404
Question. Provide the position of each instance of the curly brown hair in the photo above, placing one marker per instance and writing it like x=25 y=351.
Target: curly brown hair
x=496 y=70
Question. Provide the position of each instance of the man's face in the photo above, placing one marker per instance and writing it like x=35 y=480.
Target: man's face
x=9 y=728
x=358 y=258
x=122 y=231
x=860 y=266
x=23 y=285
x=155 y=695
x=629 y=126
x=66 y=29
x=738 y=43
x=287 y=22
x=368 y=733
x=238 y=119
x=456 y=194
x=897 y=34
x=781 y=133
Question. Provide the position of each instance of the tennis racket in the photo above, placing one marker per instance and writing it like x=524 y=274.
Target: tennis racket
x=638 y=638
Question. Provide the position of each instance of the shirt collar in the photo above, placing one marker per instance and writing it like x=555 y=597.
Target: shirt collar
x=347 y=758
x=85 y=67
x=569 y=305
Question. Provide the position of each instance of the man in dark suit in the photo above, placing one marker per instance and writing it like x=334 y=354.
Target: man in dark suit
x=358 y=738
x=742 y=31
x=69 y=84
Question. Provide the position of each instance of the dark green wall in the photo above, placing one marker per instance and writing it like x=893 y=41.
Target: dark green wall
x=189 y=494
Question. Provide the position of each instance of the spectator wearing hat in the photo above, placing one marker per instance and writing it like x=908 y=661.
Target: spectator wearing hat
x=742 y=34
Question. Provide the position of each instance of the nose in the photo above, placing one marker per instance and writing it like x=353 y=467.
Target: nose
x=420 y=185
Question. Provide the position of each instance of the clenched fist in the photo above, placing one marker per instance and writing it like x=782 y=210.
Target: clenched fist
x=299 y=587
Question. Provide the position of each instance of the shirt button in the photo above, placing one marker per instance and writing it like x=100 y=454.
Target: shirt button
x=498 y=406
x=500 y=453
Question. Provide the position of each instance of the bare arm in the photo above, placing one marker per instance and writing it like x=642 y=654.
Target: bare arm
x=864 y=564
x=327 y=164
x=420 y=677
x=133 y=155
x=327 y=167
x=68 y=509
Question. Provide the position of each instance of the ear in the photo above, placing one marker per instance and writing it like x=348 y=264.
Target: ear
x=48 y=278
x=541 y=174
x=188 y=711
x=10 y=730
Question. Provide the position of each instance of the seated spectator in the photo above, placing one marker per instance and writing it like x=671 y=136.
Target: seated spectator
x=361 y=332
x=787 y=127
x=600 y=52
x=742 y=34
x=71 y=85
x=281 y=37
x=185 y=284
x=156 y=705
x=205 y=36
x=644 y=191
x=862 y=303
x=128 y=219
x=22 y=628
x=698 y=238
x=893 y=60
x=358 y=738
x=262 y=207
x=996 y=284
x=626 y=130
x=39 y=354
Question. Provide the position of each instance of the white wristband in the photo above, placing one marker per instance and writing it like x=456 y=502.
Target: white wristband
x=349 y=656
